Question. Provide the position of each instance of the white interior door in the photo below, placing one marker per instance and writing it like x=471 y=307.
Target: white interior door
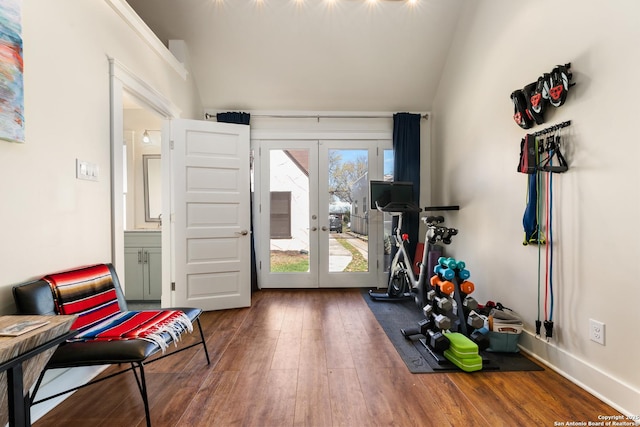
x=210 y=214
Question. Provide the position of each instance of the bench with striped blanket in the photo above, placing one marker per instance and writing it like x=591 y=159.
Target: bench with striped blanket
x=107 y=333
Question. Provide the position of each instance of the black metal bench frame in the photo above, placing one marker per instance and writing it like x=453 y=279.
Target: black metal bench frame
x=36 y=298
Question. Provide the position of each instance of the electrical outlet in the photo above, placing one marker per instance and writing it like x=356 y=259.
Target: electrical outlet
x=596 y=331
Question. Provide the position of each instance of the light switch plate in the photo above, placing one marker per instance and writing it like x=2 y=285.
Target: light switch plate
x=86 y=170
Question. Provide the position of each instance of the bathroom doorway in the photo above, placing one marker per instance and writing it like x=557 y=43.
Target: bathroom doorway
x=146 y=111
x=142 y=202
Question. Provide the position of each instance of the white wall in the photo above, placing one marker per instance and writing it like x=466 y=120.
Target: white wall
x=50 y=220
x=500 y=46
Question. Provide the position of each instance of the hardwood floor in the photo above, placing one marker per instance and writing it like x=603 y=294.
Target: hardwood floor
x=318 y=358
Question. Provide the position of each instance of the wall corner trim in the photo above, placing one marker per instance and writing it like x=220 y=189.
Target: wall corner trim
x=128 y=15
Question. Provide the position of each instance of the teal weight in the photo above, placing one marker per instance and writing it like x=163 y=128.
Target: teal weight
x=446 y=273
x=451 y=263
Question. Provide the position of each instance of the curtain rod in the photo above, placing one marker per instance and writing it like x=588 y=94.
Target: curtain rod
x=208 y=116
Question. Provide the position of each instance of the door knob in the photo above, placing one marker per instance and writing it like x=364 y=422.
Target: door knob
x=324 y=228
x=314 y=228
x=242 y=233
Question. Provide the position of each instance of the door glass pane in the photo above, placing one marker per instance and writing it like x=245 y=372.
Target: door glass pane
x=386 y=223
x=348 y=210
x=289 y=220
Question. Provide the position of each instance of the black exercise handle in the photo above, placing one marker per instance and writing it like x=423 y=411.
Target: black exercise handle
x=409 y=332
x=434 y=220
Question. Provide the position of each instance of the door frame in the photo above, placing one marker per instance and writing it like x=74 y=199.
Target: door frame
x=259 y=135
x=122 y=79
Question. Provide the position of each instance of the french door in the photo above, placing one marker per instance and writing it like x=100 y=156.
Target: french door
x=316 y=226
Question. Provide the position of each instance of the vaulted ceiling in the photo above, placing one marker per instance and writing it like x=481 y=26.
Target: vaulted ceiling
x=310 y=55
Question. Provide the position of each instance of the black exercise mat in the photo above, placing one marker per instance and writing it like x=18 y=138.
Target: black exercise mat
x=393 y=316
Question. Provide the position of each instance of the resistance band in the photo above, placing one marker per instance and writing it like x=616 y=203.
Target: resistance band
x=548 y=324
x=540 y=240
x=542 y=205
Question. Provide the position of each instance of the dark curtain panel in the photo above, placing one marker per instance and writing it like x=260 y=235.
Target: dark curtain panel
x=243 y=119
x=231 y=117
x=406 y=167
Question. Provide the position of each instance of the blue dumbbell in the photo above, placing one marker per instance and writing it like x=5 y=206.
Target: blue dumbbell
x=464 y=274
x=446 y=273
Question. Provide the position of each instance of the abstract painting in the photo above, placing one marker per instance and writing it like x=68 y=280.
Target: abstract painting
x=11 y=77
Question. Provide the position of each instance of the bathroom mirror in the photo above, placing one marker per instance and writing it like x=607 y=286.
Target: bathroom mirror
x=152 y=187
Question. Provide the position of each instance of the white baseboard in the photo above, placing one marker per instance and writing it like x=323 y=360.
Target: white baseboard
x=612 y=391
x=58 y=380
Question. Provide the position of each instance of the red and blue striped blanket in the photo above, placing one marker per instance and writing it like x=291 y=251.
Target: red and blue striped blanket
x=90 y=294
x=149 y=325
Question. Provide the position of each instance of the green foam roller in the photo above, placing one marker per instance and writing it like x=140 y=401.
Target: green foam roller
x=469 y=364
x=460 y=345
x=463 y=352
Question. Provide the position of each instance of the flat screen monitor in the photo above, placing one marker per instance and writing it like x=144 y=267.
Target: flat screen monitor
x=385 y=192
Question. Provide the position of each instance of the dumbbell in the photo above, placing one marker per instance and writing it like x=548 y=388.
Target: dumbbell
x=464 y=274
x=448 y=234
x=443 y=303
x=446 y=287
x=437 y=340
x=437 y=235
x=441 y=321
x=427 y=310
x=470 y=303
x=433 y=219
x=467 y=287
x=474 y=320
x=445 y=272
x=447 y=262
x=423 y=326
x=480 y=337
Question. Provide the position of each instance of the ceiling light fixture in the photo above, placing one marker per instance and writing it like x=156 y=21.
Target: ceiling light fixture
x=146 y=138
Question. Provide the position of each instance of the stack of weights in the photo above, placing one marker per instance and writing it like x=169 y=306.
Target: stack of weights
x=463 y=352
x=451 y=283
